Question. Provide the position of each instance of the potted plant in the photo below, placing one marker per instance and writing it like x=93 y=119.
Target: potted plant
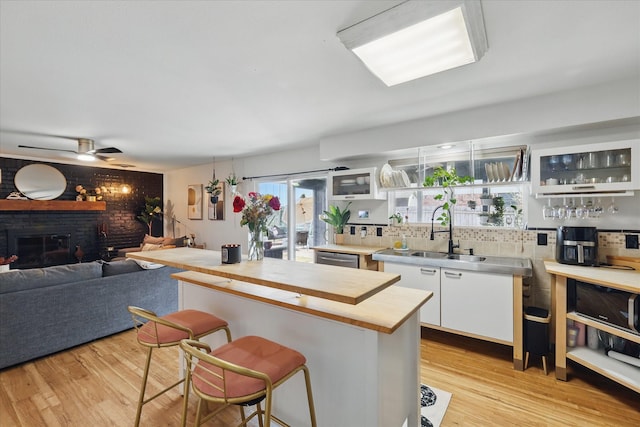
x=232 y=180
x=337 y=219
x=151 y=210
x=214 y=190
x=447 y=179
x=497 y=216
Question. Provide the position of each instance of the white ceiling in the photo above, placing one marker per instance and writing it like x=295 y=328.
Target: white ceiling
x=174 y=83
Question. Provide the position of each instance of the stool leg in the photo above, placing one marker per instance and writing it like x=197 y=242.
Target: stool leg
x=312 y=410
x=526 y=360
x=544 y=364
x=185 y=398
x=143 y=387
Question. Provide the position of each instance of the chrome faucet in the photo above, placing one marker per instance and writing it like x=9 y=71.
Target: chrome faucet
x=452 y=246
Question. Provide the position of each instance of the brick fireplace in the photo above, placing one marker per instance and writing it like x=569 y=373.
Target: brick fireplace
x=58 y=232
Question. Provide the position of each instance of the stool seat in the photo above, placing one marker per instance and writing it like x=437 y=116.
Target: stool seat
x=166 y=331
x=243 y=372
x=251 y=352
x=198 y=322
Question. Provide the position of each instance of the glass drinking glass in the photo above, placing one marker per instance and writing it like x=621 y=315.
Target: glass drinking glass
x=582 y=211
x=612 y=209
x=547 y=211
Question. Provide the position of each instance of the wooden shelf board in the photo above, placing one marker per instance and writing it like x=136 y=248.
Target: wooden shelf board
x=596 y=360
x=51 y=205
x=604 y=327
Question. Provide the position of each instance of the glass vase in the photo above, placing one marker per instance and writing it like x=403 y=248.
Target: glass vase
x=256 y=245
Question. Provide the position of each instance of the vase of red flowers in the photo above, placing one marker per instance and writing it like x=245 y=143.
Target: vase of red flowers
x=256 y=211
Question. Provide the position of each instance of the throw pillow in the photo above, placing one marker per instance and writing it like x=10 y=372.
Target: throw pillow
x=152 y=240
x=114 y=268
x=147 y=265
x=151 y=247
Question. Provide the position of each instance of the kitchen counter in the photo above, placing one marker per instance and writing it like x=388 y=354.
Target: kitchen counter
x=323 y=281
x=364 y=253
x=358 y=353
x=492 y=264
x=348 y=249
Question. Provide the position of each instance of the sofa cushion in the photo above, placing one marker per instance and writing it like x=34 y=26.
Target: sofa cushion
x=114 y=268
x=22 y=280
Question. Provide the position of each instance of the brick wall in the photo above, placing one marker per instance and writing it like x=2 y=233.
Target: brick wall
x=119 y=220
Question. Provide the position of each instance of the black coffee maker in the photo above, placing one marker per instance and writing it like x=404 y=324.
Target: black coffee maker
x=577 y=245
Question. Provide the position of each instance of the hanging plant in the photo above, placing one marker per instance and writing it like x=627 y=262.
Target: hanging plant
x=447 y=179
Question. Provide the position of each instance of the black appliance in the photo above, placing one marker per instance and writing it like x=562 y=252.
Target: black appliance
x=231 y=254
x=612 y=306
x=577 y=245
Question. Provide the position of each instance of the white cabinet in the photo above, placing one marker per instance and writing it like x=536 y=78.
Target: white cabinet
x=612 y=167
x=355 y=184
x=477 y=303
x=425 y=278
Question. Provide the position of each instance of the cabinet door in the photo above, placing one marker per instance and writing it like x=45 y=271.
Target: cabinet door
x=357 y=184
x=425 y=278
x=607 y=167
x=477 y=303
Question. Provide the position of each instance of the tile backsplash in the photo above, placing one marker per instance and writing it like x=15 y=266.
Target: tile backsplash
x=494 y=242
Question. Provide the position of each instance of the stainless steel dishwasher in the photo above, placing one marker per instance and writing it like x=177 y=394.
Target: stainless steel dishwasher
x=336 y=258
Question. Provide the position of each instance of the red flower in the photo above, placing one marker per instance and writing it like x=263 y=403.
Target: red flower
x=238 y=204
x=275 y=203
x=252 y=195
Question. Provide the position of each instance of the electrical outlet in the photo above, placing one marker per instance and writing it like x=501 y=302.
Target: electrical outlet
x=631 y=241
x=352 y=230
x=542 y=239
x=379 y=231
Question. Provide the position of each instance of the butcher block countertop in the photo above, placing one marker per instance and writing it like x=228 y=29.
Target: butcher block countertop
x=346 y=249
x=627 y=280
x=346 y=285
x=383 y=312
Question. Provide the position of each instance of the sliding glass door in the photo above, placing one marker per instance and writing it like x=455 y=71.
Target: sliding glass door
x=296 y=227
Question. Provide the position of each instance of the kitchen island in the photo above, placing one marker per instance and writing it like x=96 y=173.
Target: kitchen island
x=360 y=335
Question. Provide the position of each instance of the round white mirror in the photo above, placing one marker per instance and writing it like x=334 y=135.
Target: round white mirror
x=40 y=182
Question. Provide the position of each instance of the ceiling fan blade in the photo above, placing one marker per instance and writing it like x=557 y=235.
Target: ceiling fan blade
x=44 y=148
x=108 y=150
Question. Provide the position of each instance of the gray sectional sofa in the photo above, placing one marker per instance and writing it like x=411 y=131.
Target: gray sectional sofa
x=45 y=310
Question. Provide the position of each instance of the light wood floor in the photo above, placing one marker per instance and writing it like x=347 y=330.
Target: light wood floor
x=96 y=385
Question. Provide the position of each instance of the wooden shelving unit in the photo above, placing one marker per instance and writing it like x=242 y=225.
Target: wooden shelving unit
x=51 y=205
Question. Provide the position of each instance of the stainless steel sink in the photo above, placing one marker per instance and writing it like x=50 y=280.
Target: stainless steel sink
x=469 y=258
x=428 y=254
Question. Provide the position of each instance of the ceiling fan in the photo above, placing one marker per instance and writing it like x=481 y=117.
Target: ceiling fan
x=86 y=150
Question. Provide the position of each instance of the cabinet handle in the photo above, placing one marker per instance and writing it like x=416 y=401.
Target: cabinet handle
x=583 y=187
x=427 y=271
x=453 y=275
x=349 y=197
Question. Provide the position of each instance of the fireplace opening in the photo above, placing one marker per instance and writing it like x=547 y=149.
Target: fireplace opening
x=36 y=250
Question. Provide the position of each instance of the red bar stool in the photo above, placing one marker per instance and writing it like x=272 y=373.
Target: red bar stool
x=243 y=372
x=167 y=331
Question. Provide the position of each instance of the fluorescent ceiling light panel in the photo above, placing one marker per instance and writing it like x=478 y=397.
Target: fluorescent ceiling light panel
x=418 y=38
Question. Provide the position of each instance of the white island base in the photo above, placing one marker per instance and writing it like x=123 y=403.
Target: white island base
x=360 y=377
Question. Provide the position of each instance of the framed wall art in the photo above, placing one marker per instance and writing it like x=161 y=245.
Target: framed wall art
x=194 y=201
x=215 y=204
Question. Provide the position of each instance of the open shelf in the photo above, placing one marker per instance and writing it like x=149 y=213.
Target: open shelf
x=623 y=373
x=51 y=205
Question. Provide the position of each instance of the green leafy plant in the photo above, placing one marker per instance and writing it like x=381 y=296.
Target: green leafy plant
x=337 y=218
x=497 y=216
x=212 y=188
x=232 y=179
x=447 y=179
x=397 y=217
x=152 y=209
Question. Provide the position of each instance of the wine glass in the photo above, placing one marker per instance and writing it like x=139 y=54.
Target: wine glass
x=548 y=212
x=582 y=211
x=597 y=209
x=612 y=209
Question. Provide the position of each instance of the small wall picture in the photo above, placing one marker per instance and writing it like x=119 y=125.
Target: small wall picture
x=194 y=201
x=215 y=204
